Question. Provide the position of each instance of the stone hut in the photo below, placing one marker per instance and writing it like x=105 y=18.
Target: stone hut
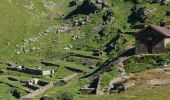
x=152 y=40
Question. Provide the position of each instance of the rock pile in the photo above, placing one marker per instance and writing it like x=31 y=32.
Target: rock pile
x=65 y=28
x=81 y=21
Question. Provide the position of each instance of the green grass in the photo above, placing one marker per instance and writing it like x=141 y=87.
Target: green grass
x=71 y=64
x=144 y=62
x=107 y=77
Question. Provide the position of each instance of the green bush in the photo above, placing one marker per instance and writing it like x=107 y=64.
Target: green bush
x=65 y=96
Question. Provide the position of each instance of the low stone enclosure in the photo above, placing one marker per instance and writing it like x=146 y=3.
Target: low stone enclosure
x=31 y=96
x=90 y=88
x=45 y=86
x=31 y=83
x=74 y=69
x=14 y=67
x=117 y=85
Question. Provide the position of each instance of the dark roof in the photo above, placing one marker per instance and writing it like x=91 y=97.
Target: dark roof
x=164 y=31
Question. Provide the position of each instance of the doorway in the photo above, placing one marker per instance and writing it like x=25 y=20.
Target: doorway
x=149 y=47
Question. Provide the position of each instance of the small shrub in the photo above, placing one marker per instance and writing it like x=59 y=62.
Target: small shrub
x=65 y=96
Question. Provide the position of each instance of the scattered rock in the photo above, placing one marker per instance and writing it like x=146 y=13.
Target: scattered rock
x=48 y=4
x=77 y=36
x=68 y=47
x=30 y=6
x=65 y=28
x=81 y=21
x=24 y=47
x=108 y=16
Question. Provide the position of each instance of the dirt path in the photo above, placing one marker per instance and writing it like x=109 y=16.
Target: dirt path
x=120 y=65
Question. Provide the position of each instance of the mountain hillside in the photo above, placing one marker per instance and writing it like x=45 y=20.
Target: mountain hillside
x=94 y=38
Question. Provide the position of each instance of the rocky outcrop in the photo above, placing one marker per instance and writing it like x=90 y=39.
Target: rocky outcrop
x=140 y=14
x=87 y=7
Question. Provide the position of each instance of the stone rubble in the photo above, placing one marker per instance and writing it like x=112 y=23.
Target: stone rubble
x=24 y=47
x=48 y=4
x=30 y=6
x=81 y=21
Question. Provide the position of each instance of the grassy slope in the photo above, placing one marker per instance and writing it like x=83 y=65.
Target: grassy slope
x=18 y=23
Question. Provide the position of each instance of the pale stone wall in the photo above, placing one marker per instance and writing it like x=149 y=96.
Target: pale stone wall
x=166 y=41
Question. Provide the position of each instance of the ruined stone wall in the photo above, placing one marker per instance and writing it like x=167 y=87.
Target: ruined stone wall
x=39 y=91
x=87 y=90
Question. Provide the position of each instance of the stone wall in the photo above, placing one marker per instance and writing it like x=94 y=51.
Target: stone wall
x=98 y=89
x=31 y=71
x=39 y=91
x=64 y=81
x=87 y=90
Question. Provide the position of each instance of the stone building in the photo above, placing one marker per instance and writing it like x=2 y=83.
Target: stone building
x=152 y=40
